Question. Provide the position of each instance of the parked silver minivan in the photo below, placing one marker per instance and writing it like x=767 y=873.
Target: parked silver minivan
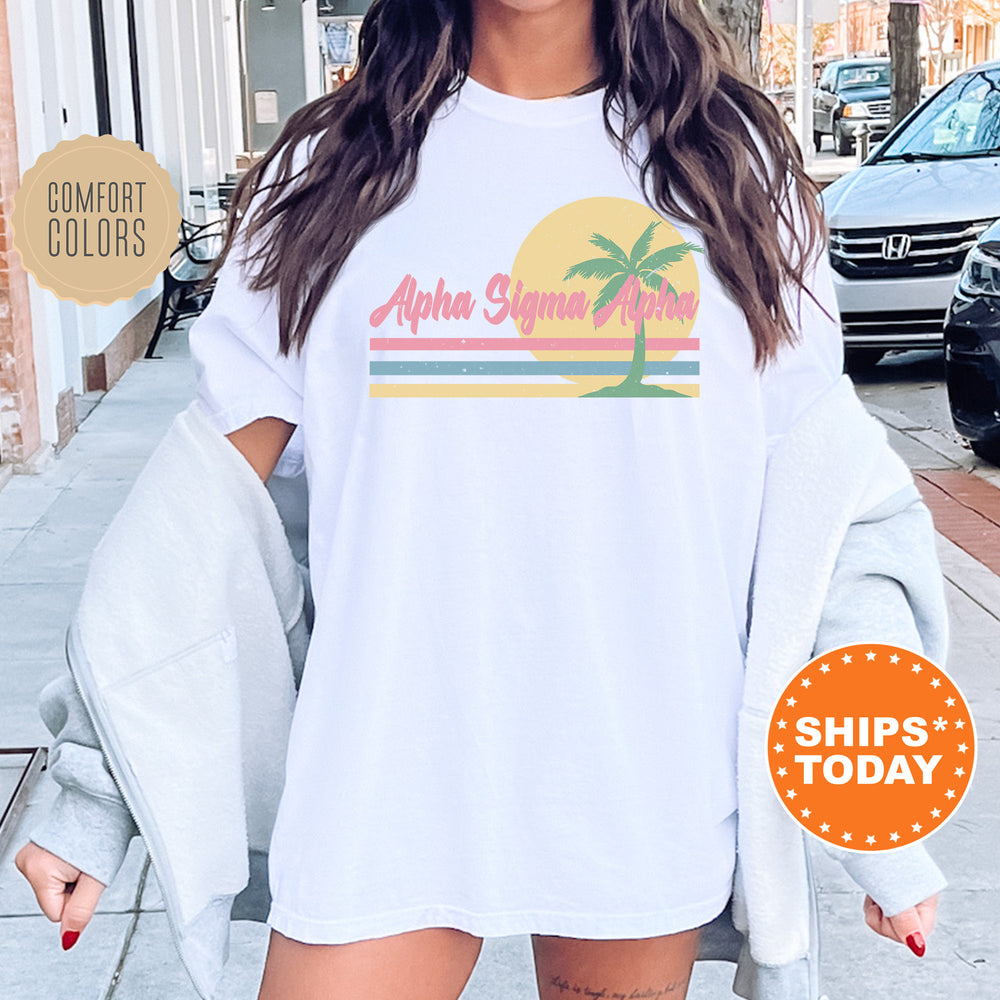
x=902 y=223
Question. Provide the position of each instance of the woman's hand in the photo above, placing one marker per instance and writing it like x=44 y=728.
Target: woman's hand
x=911 y=927
x=66 y=895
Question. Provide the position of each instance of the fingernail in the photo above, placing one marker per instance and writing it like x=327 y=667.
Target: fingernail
x=69 y=939
x=915 y=942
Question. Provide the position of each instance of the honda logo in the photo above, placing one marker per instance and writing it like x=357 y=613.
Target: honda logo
x=896 y=246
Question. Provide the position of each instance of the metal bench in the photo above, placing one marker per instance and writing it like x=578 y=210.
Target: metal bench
x=189 y=263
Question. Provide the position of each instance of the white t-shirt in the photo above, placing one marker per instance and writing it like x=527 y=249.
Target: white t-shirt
x=518 y=710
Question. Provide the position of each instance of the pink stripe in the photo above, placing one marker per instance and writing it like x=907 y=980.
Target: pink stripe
x=530 y=343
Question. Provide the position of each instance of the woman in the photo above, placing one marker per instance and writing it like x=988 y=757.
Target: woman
x=518 y=710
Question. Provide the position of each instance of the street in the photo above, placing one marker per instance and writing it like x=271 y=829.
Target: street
x=912 y=383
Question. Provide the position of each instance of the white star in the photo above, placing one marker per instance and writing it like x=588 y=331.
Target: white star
x=950 y=702
x=806 y=682
x=824 y=827
x=936 y=682
x=869 y=656
x=962 y=748
x=917 y=828
x=825 y=668
x=778 y=747
x=940 y=723
x=916 y=668
x=790 y=793
x=950 y=794
x=805 y=813
x=782 y=723
x=894 y=836
x=959 y=771
x=782 y=772
x=960 y=723
x=869 y=839
x=935 y=813
x=790 y=701
x=846 y=658
x=894 y=658
x=845 y=836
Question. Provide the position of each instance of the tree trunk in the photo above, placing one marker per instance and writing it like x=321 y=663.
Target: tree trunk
x=740 y=19
x=904 y=54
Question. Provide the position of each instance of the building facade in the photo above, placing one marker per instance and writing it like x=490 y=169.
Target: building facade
x=202 y=85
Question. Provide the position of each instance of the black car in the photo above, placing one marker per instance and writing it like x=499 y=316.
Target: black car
x=849 y=93
x=972 y=347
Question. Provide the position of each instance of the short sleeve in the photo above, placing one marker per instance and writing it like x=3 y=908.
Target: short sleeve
x=801 y=373
x=241 y=375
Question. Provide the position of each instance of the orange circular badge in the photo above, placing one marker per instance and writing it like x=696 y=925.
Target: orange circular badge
x=871 y=747
x=95 y=219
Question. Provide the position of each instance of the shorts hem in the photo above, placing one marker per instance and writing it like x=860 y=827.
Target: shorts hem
x=546 y=922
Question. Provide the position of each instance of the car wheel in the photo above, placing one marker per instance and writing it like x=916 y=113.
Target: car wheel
x=818 y=141
x=841 y=143
x=988 y=449
x=862 y=359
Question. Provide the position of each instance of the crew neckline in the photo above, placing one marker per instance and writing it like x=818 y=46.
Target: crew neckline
x=561 y=110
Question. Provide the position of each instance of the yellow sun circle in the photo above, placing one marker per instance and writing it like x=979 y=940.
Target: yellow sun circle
x=565 y=238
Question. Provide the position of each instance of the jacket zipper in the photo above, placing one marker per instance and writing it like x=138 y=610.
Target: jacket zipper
x=147 y=840
x=814 y=943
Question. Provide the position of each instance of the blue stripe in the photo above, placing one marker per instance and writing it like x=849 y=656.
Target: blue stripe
x=529 y=367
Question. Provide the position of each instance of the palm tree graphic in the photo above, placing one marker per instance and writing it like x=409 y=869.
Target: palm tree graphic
x=615 y=268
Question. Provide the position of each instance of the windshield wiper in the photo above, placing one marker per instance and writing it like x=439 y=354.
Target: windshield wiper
x=910 y=157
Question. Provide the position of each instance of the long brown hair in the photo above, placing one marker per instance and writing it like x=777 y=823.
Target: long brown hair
x=687 y=89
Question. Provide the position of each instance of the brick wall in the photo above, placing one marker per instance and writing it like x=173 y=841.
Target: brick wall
x=20 y=434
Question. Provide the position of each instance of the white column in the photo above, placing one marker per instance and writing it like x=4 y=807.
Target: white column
x=804 y=79
x=310 y=43
x=231 y=47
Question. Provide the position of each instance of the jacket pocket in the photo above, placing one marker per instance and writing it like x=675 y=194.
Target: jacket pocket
x=219 y=646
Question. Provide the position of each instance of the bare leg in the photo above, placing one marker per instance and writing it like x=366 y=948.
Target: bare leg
x=433 y=963
x=657 y=968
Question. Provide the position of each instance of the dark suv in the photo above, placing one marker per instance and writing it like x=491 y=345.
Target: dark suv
x=849 y=92
x=972 y=343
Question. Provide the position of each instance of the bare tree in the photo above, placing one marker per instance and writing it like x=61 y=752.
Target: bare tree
x=939 y=21
x=777 y=51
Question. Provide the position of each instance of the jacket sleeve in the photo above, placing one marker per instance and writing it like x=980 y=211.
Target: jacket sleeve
x=88 y=825
x=887 y=586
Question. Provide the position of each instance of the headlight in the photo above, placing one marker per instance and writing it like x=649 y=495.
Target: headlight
x=981 y=274
x=858 y=109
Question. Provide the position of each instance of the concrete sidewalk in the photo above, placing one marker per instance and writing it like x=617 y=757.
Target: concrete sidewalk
x=50 y=523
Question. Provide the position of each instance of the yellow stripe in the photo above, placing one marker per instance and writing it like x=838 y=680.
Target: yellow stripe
x=490 y=389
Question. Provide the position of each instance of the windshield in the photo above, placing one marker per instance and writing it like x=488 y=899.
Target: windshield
x=863 y=76
x=961 y=119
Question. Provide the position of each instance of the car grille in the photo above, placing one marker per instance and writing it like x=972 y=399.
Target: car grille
x=938 y=248
x=899 y=325
x=878 y=109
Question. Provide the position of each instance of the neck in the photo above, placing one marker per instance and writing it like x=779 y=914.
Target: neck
x=534 y=54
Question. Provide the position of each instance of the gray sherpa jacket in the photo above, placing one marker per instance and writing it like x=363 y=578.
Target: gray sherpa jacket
x=188 y=644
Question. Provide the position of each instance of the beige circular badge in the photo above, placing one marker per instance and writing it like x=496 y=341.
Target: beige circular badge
x=95 y=219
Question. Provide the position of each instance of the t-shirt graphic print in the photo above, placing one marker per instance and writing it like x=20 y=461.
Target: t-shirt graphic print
x=602 y=294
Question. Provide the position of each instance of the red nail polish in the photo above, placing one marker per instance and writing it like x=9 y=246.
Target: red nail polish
x=916 y=944
x=69 y=939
